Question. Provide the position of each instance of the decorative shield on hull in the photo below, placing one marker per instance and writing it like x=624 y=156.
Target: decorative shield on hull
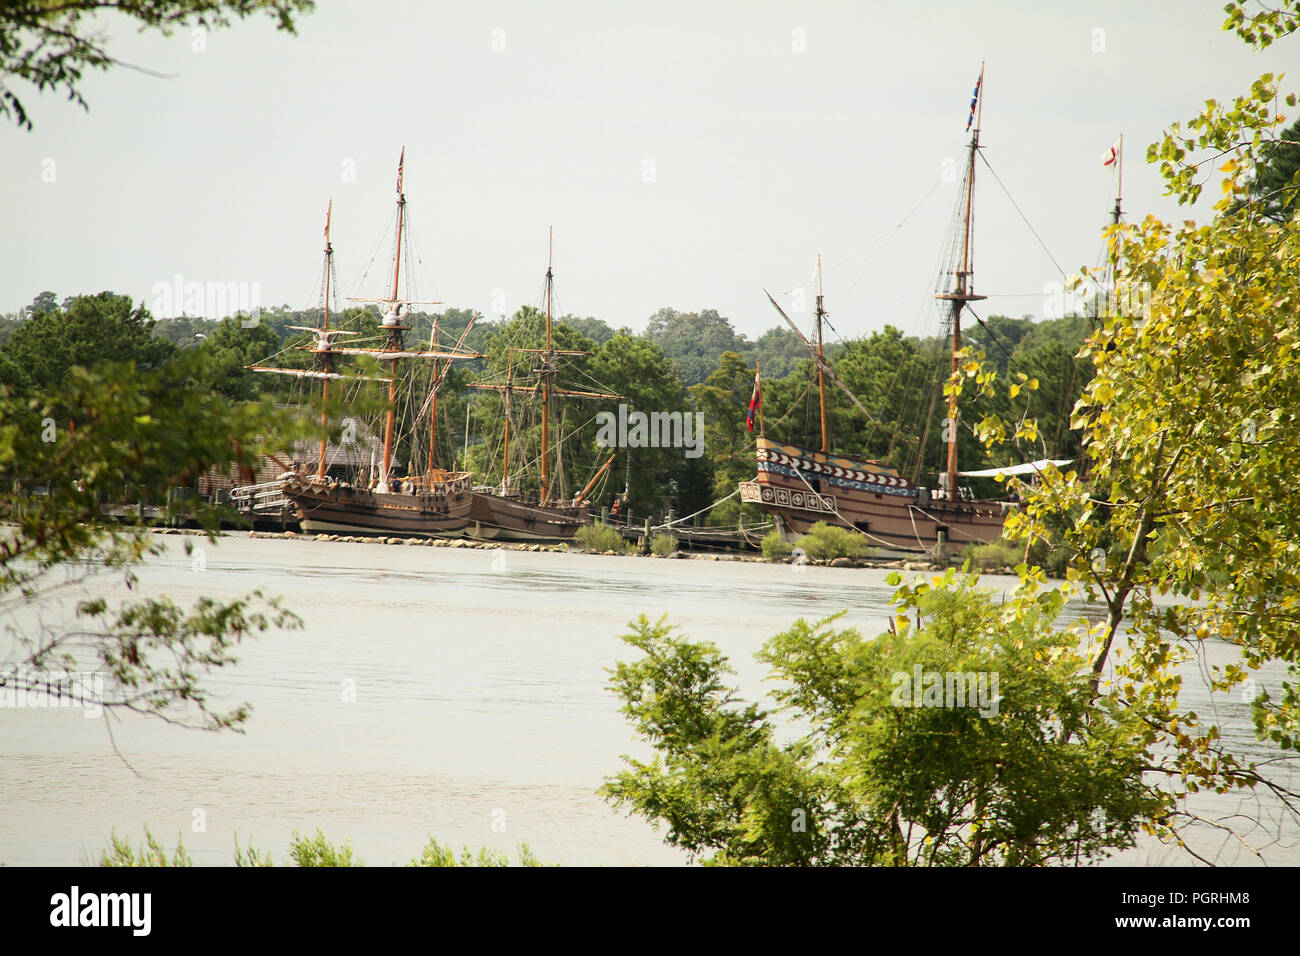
x=802 y=487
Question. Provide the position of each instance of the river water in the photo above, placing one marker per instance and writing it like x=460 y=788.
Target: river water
x=432 y=691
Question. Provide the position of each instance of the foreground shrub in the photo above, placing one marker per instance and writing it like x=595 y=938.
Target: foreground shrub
x=970 y=733
x=121 y=854
x=318 y=851
x=315 y=850
x=441 y=854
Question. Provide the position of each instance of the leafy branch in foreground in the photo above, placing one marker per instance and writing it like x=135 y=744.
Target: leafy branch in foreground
x=112 y=434
x=1184 y=526
x=52 y=45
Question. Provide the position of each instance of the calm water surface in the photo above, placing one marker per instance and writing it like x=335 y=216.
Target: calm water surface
x=480 y=714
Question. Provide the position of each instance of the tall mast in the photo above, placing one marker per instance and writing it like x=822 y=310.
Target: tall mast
x=505 y=454
x=963 y=293
x=433 y=394
x=325 y=361
x=821 y=359
x=1119 y=190
x=394 y=333
x=401 y=212
x=1108 y=280
x=546 y=371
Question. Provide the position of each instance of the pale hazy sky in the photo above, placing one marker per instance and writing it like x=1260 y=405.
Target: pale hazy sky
x=773 y=132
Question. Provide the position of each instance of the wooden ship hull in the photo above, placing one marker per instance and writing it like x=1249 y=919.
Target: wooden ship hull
x=335 y=508
x=435 y=503
x=500 y=518
x=799 y=487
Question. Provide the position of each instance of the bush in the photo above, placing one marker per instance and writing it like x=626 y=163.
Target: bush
x=826 y=542
x=775 y=547
x=600 y=538
x=663 y=545
x=318 y=851
x=998 y=554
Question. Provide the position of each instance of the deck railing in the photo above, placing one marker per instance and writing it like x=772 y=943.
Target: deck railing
x=260 y=498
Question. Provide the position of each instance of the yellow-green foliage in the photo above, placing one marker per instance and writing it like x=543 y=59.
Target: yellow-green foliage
x=999 y=554
x=775 y=547
x=249 y=856
x=314 y=850
x=121 y=854
x=441 y=854
x=600 y=538
x=825 y=542
x=663 y=544
x=317 y=851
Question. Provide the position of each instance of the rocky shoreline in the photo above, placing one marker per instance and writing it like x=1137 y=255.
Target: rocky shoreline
x=467 y=543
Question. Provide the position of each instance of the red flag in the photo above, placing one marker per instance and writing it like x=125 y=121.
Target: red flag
x=400 y=163
x=755 y=401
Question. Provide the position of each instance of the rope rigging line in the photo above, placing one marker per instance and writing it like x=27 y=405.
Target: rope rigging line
x=374 y=252
x=883 y=237
x=669 y=524
x=996 y=340
x=1023 y=217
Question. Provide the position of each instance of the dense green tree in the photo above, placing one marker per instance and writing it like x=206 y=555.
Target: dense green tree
x=1275 y=184
x=723 y=400
x=694 y=340
x=44 y=302
x=232 y=347
x=876 y=777
x=85 y=330
x=778 y=350
x=595 y=329
x=997 y=336
x=637 y=369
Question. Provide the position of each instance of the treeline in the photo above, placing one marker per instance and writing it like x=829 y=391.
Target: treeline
x=683 y=362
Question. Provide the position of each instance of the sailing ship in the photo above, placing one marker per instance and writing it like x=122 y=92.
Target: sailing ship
x=433 y=503
x=506 y=513
x=800 y=487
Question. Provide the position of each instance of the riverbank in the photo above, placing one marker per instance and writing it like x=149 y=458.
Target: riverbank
x=918 y=564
